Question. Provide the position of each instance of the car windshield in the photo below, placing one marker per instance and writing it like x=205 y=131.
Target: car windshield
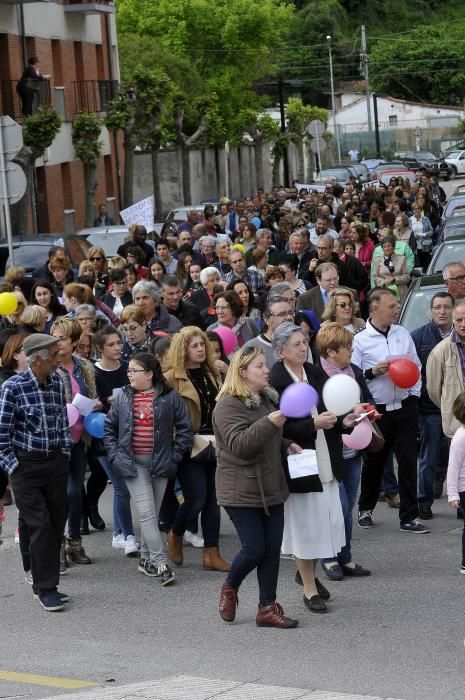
x=447 y=253
x=416 y=310
x=453 y=204
x=425 y=155
x=338 y=173
x=454 y=155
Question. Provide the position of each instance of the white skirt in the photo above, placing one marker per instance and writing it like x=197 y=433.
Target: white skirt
x=314 y=524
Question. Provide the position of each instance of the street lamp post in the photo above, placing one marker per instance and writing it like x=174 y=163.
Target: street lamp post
x=333 y=100
x=283 y=131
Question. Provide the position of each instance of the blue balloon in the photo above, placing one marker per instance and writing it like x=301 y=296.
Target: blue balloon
x=94 y=423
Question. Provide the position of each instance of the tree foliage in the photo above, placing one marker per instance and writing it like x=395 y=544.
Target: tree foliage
x=402 y=68
x=85 y=134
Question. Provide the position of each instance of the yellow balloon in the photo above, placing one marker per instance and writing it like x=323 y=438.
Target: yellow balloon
x=8 y=303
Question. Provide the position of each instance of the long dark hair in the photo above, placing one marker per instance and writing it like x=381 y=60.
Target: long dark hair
x=150 y=363
x=55 y=307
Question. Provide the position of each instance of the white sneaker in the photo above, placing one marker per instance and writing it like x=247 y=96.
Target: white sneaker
x=118 y=541
x=193 y=539
x=131 y=547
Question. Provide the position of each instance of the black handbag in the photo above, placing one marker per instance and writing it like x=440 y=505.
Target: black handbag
x=303 y=484
x=203 y=449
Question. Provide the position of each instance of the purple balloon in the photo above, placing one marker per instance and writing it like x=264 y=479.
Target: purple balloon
x=298 y=400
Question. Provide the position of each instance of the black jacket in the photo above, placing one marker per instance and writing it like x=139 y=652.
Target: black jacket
x=188 y=314
x=172 y=433
x=352 y=273
x=426 y=338
x=110 y=300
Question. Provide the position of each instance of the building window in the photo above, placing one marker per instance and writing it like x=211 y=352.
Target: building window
x=393 y=120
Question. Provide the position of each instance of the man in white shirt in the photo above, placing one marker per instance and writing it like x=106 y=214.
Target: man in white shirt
x=379 y=341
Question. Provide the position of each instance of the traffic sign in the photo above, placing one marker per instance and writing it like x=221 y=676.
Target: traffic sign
x=16 y=183
x=318 y=145
x=12 y=137
x=316 y=128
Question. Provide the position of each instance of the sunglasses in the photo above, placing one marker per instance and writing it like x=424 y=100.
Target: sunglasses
x=95 y=258
x=344 y=304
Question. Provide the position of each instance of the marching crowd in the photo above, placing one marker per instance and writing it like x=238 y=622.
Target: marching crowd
x=182 y=347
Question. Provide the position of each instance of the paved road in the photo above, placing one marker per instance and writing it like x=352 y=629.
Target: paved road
x=398 y=634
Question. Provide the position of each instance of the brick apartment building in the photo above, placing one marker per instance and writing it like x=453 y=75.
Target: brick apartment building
x=76 y=44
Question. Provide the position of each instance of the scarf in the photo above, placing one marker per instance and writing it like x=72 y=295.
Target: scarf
x=389 y=264
x=331 y=369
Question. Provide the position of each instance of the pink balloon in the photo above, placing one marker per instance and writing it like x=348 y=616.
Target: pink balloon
x=360 y=437
x=73 y=414
x=228 y=337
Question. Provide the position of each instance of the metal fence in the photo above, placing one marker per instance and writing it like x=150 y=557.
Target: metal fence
x=19 y=100
x=93 y=95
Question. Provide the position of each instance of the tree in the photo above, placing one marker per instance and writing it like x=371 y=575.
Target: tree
x=210 y=36
x=403 y=68
x=39 y=133
x=299 y=117
x=85 y=134
x=263 y=130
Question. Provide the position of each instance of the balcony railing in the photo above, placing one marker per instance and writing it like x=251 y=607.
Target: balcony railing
x=84 y=7
x=93 y=95
x=21 y=100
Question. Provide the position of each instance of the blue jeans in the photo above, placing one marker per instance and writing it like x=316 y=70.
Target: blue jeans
x=76 y=477
x=122 y=519
x=198 y=487
x=431 y=456
x=389 y=483
x=261 y=536
x=348 y=489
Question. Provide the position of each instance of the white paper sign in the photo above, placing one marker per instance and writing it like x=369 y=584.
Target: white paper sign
x=141 y=213
x=302 y=464
x=83 y=404
x=312 y=186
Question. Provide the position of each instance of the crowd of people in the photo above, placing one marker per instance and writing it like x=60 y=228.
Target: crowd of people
x=186 y=343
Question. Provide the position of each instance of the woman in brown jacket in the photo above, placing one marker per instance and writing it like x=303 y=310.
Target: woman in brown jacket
x=250 y=481
x=193 y=375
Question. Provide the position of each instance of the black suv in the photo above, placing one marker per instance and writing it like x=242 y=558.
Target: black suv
x=415 y=160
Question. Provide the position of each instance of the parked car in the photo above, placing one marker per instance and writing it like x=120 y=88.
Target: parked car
x=447 y=252
x=341 y=174
x=454 y=227
x=415 y=309
x=414 y=160
x=180 y=213
x=371 y=163
x=456 y=160
x=109 y=238
x=31 y=252
x=454 y=203
x=460 y=189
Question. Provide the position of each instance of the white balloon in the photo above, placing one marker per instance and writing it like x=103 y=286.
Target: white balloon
x=340 y=394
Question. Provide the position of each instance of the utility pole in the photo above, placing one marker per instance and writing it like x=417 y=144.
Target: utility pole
x=333 y=99
x=283 y=130
x=364 y=71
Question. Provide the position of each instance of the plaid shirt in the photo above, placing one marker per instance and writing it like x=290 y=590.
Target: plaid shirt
x=33 y=418
x=252 y=278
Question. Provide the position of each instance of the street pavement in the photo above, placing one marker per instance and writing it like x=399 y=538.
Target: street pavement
x=397 y=634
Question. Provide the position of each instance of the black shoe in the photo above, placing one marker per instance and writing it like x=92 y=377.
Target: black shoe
x=94 y=516
x=165 y=574
x=75 y=551
x=356 y=571
x=322 y=590
x=84 y=526
x=334 y=573
x=425 y=512
x=315 y=604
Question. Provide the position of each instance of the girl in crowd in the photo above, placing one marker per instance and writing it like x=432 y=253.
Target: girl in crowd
x=44 y=295
x=111 y=375
x=182 y=270
x=364 y=246
x=32 y=320
x=221 y=360
x=251 y=485
x=193 y=283
x=157 y=270
x=314 y=523
x=99 y=263
x=193 y=375
x=390 y=269
x=230 y=313
x=59 y=268
x=147 y=434
x=79 y=378
x=120 y=296
x=136 y=336
x=290 y=267
x=247 y=298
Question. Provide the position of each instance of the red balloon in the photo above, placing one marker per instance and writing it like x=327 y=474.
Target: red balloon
x=403 y=373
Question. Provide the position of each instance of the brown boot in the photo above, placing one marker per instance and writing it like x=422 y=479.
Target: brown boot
x=273 y=616
x=228 y=602
x=175 y=548
x=211 y=559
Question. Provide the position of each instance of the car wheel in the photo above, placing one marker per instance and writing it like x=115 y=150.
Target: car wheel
x=453 y=174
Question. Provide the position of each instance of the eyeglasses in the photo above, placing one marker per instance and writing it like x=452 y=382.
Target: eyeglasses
x=344 y=304
x=459 y=278
x=221 y=308
x=282 y=314
x=95 y=258
x=134 y=371
x=131 y=329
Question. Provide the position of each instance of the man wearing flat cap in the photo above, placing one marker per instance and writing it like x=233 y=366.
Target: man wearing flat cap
x=34 y=451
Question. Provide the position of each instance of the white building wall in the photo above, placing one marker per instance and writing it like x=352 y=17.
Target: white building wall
x=47 y=19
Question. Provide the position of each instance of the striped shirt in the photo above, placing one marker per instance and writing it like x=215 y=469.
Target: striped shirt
x=32 y=417
x=143 y=417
